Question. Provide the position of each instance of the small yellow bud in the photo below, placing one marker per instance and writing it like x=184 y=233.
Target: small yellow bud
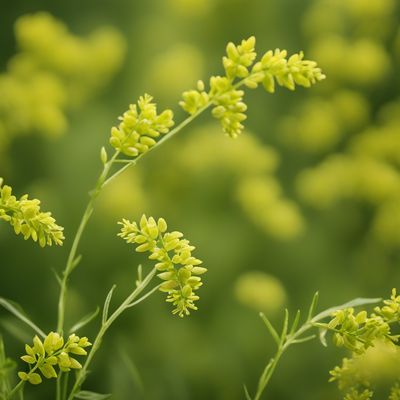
x=200 y=88
x=103 y=155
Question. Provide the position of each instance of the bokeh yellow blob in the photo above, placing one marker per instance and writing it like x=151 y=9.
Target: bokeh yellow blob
x=264 y=204
x=362 y=62
x=175 y=69
x=124 y=196
x=190 y=8
x=260 y=291
x=381 y=363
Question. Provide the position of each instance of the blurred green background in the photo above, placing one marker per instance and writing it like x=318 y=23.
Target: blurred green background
x=307 y=199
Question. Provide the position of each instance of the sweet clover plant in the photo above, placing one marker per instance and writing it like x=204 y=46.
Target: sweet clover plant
x=141 y=129
x=356 y=331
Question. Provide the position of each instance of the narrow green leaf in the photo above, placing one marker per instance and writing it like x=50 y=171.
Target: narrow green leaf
x=107 y=304
x=322 y=336
x=285 y=327
x=149 y=293
x=76 y=262
x=87 y=395
x=295 y=322
x=304 y=339
x=246 y=393
x=264 y=376
x=270 y=328
x=353 y=303
x=18 y=312
x=57 y=276
x=313 y=306
x=132 y=369
x=84 y=321
x=16 y=329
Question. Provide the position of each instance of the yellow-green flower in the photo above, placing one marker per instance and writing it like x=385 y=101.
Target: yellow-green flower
x=52 y=352
x=226 y=97
x=26 y=217
x=179 y=269
x=140 y=127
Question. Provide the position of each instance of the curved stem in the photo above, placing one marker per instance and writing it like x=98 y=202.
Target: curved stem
x=127 y=303
x=72 y=260
x=270 y=368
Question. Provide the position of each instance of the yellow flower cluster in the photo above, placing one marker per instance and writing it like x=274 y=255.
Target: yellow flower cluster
x=375 y=351
x=25 y=216
x=179 y=270
x=53 y=351
x=140 y=127
x=240 y=69
x=358 y=332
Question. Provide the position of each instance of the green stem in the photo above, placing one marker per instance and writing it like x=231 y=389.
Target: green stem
x=127 y=303
x=58 y=386
x=62 y=384
x=65 y=388
x=271 y=366
x=17 y=388
x=71 y=261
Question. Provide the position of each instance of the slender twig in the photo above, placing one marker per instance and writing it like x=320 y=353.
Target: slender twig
x=149 y=293
x=297 y=336
x=58 y=386
x=72 y=254
x=65 y=388
x=105 y=326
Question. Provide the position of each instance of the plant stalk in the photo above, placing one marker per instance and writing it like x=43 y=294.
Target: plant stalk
x=127 y=303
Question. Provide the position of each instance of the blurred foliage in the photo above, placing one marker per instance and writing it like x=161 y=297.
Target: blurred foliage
x=308 y=196
x=53 y=71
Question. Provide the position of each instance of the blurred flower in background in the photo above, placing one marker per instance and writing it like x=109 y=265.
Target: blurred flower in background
x=260 y=291
x=52 y=72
